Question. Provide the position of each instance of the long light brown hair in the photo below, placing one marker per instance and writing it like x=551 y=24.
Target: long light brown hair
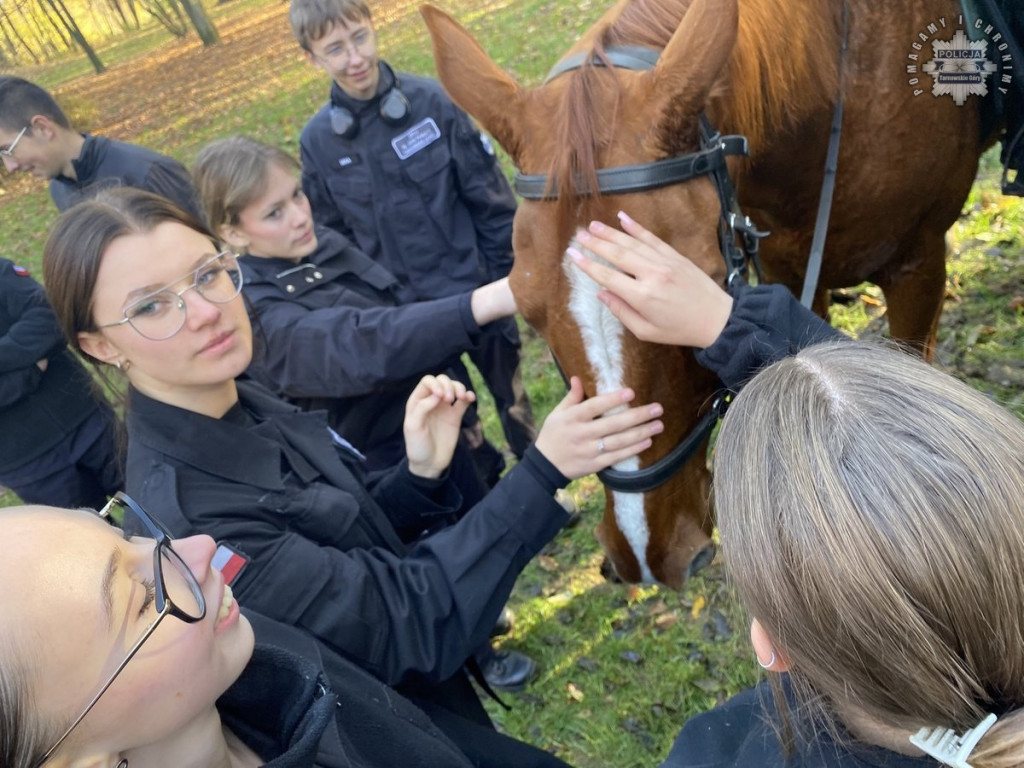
x=871 y=510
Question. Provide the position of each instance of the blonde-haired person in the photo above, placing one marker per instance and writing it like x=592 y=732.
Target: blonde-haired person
x=871 y=512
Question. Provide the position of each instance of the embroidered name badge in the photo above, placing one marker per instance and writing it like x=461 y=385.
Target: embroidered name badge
x=230 y=562
x=345 y=162
x=421 y=135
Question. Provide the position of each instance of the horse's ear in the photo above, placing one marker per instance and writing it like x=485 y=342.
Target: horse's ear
x=691 y=62
x=474 y=81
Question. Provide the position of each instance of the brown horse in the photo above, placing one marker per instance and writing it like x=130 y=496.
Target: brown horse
x=770 y=70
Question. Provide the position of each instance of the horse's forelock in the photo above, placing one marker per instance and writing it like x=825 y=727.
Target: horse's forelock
x=584 y=129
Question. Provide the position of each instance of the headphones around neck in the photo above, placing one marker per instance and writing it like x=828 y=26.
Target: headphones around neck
x=392 y=106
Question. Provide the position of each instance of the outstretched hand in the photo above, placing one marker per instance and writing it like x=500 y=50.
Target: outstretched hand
x=655 y=291
x=433 y=417
x=581 y=437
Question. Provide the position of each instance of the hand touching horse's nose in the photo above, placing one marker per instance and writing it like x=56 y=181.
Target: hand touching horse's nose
x=584 y=436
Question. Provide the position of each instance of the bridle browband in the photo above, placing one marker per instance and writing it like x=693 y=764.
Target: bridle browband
x=709 y=160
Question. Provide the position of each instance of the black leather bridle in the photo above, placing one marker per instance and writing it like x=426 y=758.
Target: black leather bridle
x=737 y=236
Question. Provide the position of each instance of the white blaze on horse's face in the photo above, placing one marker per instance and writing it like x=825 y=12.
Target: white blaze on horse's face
x=602 y=333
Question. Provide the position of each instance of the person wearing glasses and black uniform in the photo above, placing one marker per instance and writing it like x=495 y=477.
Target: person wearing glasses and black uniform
x=391 y=163
x=164 y=670
x=37 y=138
x=139 y=284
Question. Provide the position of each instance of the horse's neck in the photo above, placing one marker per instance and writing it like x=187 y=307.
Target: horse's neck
x=784 y=67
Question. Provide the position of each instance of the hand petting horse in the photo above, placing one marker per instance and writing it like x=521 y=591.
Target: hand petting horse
x=646 y=99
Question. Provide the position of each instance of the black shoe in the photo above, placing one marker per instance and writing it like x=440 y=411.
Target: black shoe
x=507 y=670
x=504 y=623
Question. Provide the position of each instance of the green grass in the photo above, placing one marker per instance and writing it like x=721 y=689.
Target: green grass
x=621 y=668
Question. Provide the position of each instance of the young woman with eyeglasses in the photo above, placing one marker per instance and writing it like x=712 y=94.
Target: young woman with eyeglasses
x=140 y=285
x=162 y=668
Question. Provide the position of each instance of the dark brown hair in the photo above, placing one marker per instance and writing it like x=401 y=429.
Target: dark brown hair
x=79 y=239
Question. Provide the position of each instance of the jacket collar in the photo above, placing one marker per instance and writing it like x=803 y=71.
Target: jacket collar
x=335 y=256
x=87 y=162
x=300 y=723
x=229 y=450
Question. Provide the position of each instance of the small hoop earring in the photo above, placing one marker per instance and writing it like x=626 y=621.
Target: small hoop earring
x=769 y=665
x=122 y=763
x=118 y=364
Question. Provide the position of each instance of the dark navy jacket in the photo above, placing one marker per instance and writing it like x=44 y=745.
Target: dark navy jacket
x=105 y=163
x=321 y=539
x=331 y=336
x=739 y=734
x=299 y=704
x=767 y=323
x=37 y=410
x=440 y=220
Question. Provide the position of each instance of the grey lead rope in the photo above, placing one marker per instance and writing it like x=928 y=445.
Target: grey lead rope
x=828 y=187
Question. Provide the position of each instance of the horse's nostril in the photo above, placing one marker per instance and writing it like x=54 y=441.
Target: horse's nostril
x=609 y=572
x=701 y=560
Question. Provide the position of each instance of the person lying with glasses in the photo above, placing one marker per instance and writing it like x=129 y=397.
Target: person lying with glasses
x=162 y=668
x=138 y=284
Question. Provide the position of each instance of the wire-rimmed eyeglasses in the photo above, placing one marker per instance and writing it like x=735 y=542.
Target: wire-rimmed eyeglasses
x=9 y=151
x=177 y=593
x=339 y=54
x=161 y=314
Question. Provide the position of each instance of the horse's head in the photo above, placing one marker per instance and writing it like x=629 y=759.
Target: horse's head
x=599 y=117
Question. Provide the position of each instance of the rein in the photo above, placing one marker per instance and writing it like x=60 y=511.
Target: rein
x=734 y=228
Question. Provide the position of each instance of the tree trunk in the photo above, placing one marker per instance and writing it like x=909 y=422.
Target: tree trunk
x=11 y=46
x=58 y=28
x=62 y=13
x=204 y=27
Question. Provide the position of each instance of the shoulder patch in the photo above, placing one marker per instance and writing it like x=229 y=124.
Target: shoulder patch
x=488 y=146
x=21 y=271
x=229 y=561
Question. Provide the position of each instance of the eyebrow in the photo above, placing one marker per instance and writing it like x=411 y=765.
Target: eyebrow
x=107 y=588
x=149 y=290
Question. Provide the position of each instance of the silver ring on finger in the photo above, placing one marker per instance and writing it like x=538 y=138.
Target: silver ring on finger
x=600 y=445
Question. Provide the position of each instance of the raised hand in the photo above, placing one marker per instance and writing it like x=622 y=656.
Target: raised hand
x=584 y=436
x=433 y=417
x=655 y=291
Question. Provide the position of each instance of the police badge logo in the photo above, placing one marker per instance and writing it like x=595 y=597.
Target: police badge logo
x=959 y=66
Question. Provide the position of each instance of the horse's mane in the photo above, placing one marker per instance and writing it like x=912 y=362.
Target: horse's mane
x=784 y=64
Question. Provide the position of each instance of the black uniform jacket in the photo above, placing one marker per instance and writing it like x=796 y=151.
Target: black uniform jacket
x=37 y=409
x=298 y=704
x=739 y=734
x=425 y=199
x=331 y=336
x=105 y=163
x=324 y=555
x=767 y=323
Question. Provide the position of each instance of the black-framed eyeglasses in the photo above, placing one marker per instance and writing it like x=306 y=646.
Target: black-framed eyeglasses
x=9 y=151
x=177 y=592
x=161 y=314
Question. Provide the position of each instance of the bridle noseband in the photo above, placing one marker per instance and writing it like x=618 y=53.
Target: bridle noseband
x=738 y=237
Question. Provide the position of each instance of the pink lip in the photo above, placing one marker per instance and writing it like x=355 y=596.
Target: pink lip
x=231 y=619
x=305 y=238
x=219 y=343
